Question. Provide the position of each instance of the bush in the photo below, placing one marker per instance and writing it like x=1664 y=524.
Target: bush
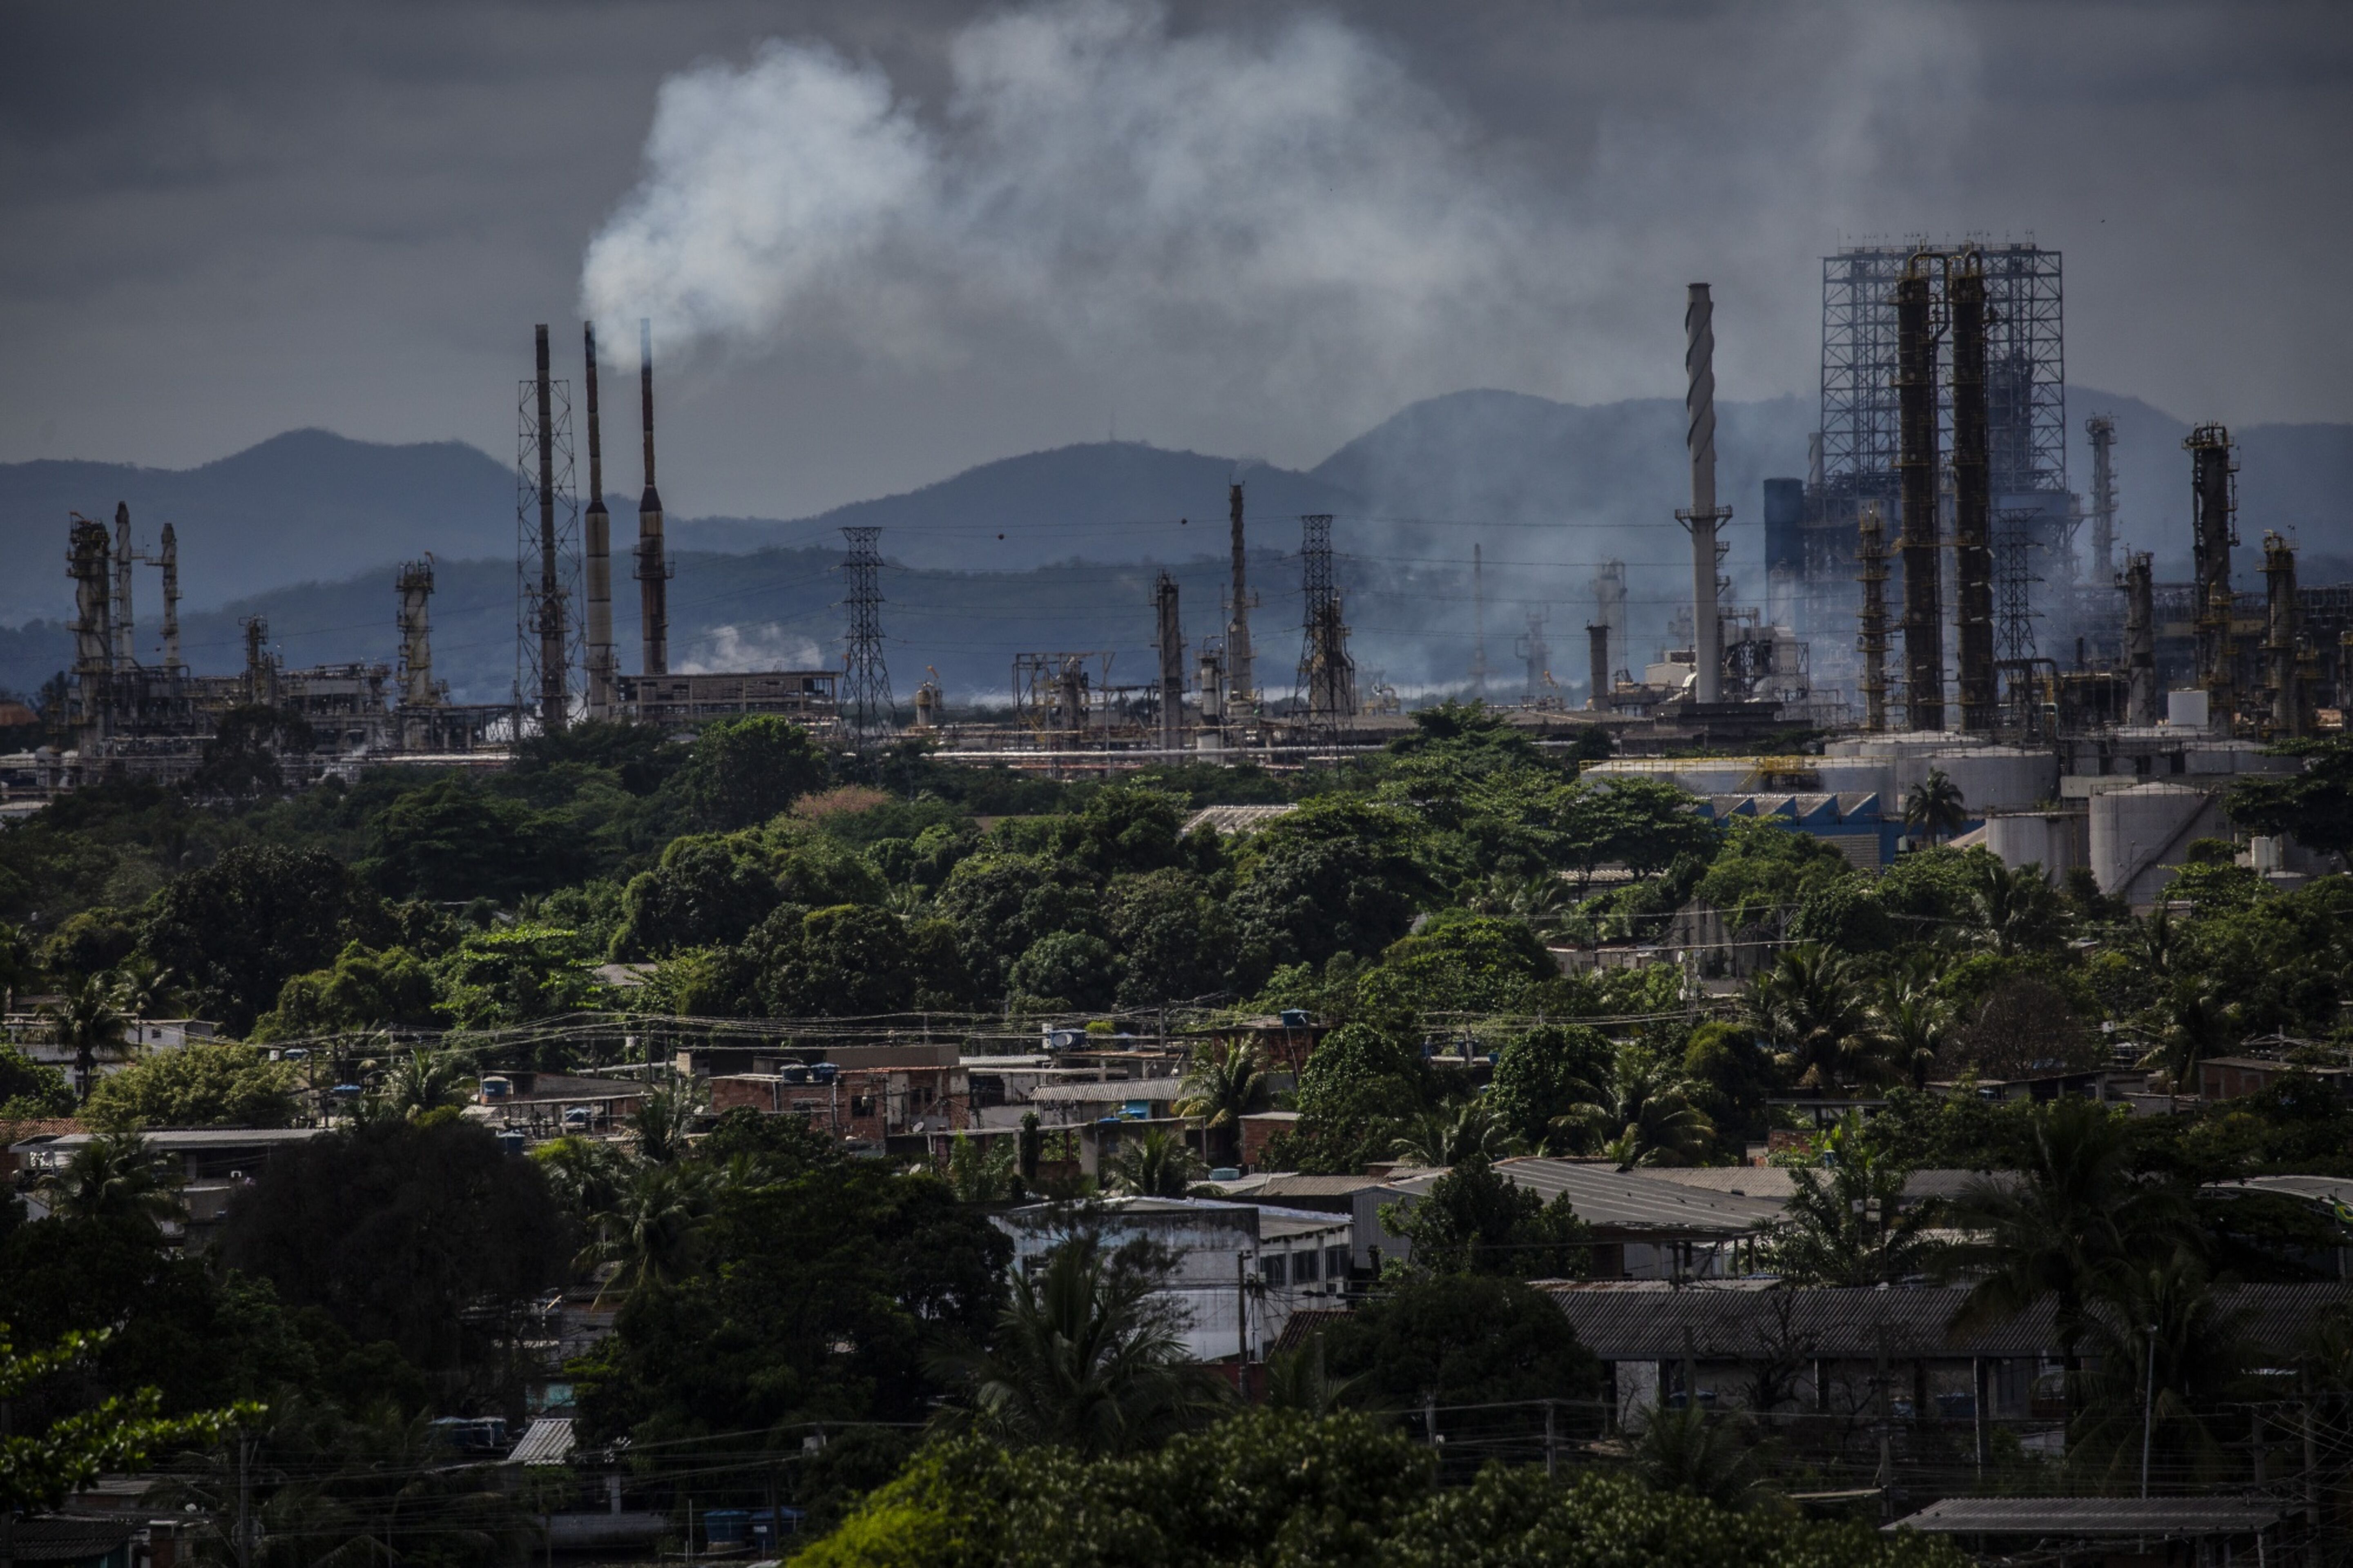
x=223 y=1085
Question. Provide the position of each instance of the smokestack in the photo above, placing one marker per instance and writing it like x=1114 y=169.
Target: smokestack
x=653 y=569
x=1240 y=689
x=415 y=585
x=1169 y=637
x=1915 y=398
x=2279 y=646
x=1965 y=296
x=167 y=556
x=126 y=649
x=1597 y=647
x=260 y=669
x=1610 y=607
x=2214 y=500
x=2140 y=639
x=2102 y=429
x=1699 y=412
x=1870 y=553
x=553 y=688
x=597 y=548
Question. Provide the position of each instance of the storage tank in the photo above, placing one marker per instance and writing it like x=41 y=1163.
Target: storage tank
x=1990 y=778
x=2058 y=841
x=2138 y=835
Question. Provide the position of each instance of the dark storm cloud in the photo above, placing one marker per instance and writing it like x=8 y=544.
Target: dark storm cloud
x=222 y=222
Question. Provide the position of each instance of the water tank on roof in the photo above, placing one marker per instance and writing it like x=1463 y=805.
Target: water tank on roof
x=497 y=1088
x=824 y=1072
x=794 y=1074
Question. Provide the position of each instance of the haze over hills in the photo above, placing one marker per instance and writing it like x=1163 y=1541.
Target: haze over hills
x=305 y=528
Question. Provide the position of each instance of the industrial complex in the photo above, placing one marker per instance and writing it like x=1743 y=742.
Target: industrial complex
x=1936 y=597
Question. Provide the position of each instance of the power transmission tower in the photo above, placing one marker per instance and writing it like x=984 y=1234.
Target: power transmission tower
x=866 y=694
x=1327 y=675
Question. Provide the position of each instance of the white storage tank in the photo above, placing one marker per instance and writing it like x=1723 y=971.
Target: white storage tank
x=2058 y=841
x=1994 y=778
x=2139 y=835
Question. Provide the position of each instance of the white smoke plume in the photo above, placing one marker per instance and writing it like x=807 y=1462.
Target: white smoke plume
x=1288 y=200
x=728 y=649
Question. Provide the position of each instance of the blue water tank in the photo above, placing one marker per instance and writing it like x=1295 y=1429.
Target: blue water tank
x=825 y=1072
x=512 y=1143
x=1294 y=1018
x=727 y=1527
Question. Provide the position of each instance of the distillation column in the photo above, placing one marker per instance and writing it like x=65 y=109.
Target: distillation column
x=653 y=568
x=1704 y=515
x=1870 y=555
x=2140 y=639
x=1170 y=640
x=167 y=556
x=89 y=561
x=2279 y=644
x=2102 y=429
x=1915 y=398
x=414 y=586
x=1241 y=690
x=596 y=549
x=2214 y=500
x=1972 y=503
x=126 y=649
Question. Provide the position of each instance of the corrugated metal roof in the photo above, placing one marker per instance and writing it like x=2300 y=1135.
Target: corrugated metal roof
x=2159 y=1516
x=1615 y=1200
x=1647 y=1320
x=546 y=1441
x=1777 y=1181
x=1147 y=1088
x=1291 y=1185
x=2315 y=1189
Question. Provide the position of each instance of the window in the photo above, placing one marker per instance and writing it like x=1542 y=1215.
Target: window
x=1273 y=1268
x=1336 y=1263
x=1306 y=1267
x=861 y=1105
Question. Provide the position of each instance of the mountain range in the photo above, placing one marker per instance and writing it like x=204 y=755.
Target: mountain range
x=1052 y=551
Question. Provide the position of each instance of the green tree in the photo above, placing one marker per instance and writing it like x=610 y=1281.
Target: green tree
x=29 y=1088
x=246 y=756
x=199 y=1085
x=1171 y=934
x=1644 y=1113
x=425 y=1081
x=1693 y=1451
x=745 y=771
x=1336 y=875
x=1848 y=1224
x=2160 y=1322
x=1451 y=1135
x=38 y=1470
x=1933 y=807
x=649 y=1233
x=2313 y=806
x=1227 y=1082
x=1088 y=1355
x=707 y=890
x=2074 y=1209
x=1730 y=1077
x=1542 y=1073
x=111 y=1179
x=513 y=974
x=666 y=1113
x=238 y=930
x=1473 y=1221
x=367 y=988
x=1812 y=1007
x=1460 y=1338
x=1067 y=969
x=1644 y=825
x=456 y=839
x=2017 y=910
x=86 y=1021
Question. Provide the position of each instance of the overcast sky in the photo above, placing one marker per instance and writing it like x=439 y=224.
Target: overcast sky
x=885 y=241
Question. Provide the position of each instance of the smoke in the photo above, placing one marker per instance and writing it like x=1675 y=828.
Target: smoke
x=726 y=649
x=1289 y=201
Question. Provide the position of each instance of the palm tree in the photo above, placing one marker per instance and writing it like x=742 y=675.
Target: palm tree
x=1911 y=1026
x=1545 y=900
x=2016 y=909
x=114 y=1177
x=2159 y=1323
x=1933 y=807
x=425 y=1080
x=664 y=1116
x=2194 y=1023
x=1810 y=1006
x=1451 y=1135
x=1088 y=1355
x=2157 y=943
x=1156 y=1165
x=86 y=1021
x=1848 y=1225
x=1689 y=1450
x=1643 y=1112
x=143 y=988
x=653 y=1231
x=2075 y=1208
x=1298 y=1380
x=1226 y=1083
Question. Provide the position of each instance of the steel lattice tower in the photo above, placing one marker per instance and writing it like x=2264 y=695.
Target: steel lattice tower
x=866 y=682
x=1327 y=675
x=548 y=640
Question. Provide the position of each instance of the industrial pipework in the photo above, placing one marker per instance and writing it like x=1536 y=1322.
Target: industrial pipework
x=1916 y=399
x=1965 y=298
x=1704 y=515
x=597 y=548
x=653 y=568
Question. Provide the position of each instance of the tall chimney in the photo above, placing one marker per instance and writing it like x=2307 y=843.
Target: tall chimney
x=1478 y=627
x=1870 y=556
x=2279 y=645
x=2214 y=498
x=126 y=648
x=1965 y=295
x=1169 y=637
x=596 y=550
x=2102 y=429
x=167 y=556
x=1916 y=401
x=415 y=585
x=1240 y=690
x=1596 y=646
x=553 y=688
x=1699 y=412
x=1609 y=608
x=653 y=569
x=2140 y=639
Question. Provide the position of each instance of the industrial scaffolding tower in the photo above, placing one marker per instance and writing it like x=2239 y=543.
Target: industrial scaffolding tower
x=866 y=682
x=548 y=642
